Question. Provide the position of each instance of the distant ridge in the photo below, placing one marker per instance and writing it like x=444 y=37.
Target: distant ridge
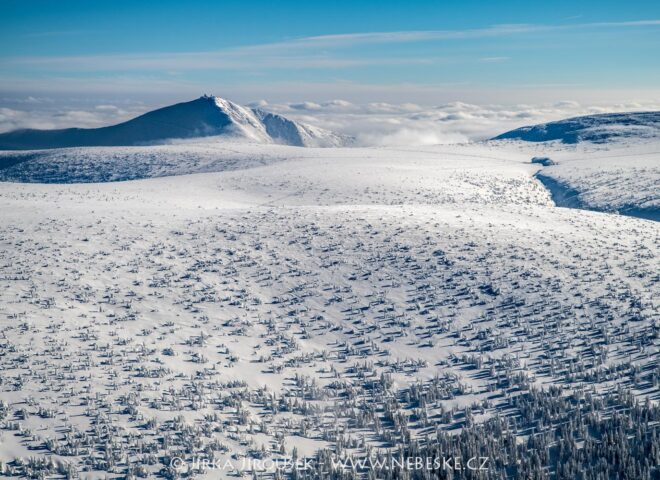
x=599 y=128
x=203 y=117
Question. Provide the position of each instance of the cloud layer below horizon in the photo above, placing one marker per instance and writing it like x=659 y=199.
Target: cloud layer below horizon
x=373 y=124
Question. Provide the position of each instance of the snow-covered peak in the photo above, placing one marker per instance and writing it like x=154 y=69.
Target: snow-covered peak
x=289 y=132
x=204 y=117
x=243 y=120
x=260 y=126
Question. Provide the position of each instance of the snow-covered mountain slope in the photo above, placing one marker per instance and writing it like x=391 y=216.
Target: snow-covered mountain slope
x=619 y=176
x=107 y=164
x=288 y=132
x=204 y=117
x=450 y=173
x=355 y=302
x=591 y=128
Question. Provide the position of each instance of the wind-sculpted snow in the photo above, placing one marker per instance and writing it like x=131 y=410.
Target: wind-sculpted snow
x=600 y=128
x=453 y=173
x=363 y=304
x=615 y=187
x=110 y=164
x=618 y=177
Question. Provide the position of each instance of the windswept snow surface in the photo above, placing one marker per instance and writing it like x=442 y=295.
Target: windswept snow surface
x=329 y=300
x=608 y=162
x=621 y=176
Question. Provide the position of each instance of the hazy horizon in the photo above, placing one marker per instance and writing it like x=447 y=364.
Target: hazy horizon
x=375 y=68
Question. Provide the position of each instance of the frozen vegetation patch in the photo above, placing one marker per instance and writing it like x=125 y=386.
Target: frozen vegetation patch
x=111 y=164
x=291 y=304
x=132 y=337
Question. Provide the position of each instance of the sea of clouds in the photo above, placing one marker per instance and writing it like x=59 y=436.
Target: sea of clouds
x=412 y=124
x=372 y=124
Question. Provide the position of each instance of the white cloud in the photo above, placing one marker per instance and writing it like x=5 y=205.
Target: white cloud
x=259 y=104
x=302 y=53
x=107 y=108
x=494 y=59
x=410 y=124
x=66 y=117
x=375 y=123
x=306 y=106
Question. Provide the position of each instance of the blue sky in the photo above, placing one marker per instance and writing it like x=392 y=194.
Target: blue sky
x=423 y=51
